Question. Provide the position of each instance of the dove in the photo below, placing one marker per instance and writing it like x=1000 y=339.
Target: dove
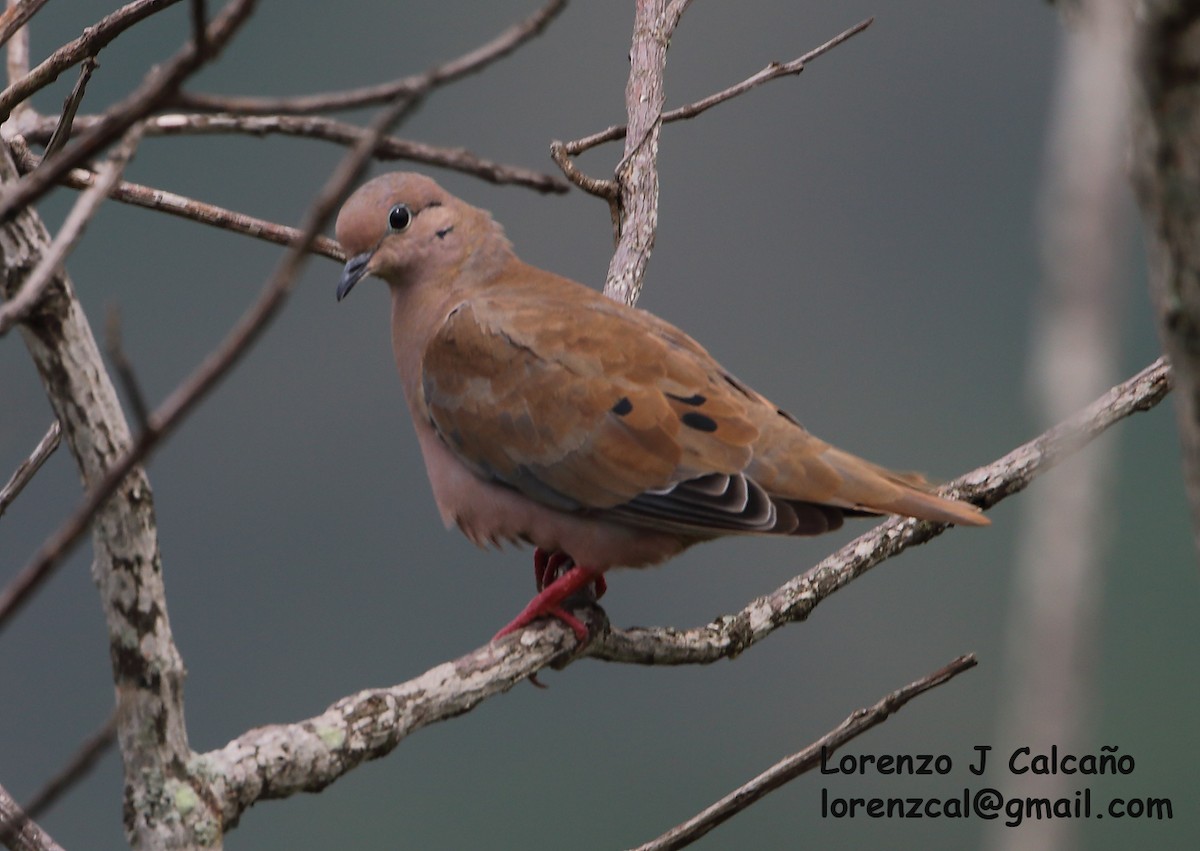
x=549 y=414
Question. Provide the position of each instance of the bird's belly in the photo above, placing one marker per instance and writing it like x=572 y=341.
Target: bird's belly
x=492 y=514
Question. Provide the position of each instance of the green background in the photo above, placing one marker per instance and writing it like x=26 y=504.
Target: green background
x=860 y=243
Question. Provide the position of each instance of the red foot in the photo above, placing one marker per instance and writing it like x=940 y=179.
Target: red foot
x=549 y=599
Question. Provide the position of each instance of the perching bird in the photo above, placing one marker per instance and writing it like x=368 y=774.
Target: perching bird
x=550 y=414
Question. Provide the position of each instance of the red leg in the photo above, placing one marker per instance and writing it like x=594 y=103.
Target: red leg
x=546 y=566
x=549 y=601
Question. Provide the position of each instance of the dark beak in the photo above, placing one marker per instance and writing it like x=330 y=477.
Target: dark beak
x=354 y=270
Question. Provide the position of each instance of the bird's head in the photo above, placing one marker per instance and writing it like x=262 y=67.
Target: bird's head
x=403 y=227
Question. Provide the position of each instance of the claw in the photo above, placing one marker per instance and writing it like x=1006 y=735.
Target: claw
x=549 y=599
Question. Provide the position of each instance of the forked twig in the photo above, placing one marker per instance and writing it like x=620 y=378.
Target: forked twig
x=773 y=71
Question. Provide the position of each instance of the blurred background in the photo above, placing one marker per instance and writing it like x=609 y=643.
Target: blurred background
x=860 y=243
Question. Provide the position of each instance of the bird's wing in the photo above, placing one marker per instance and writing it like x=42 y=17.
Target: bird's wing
x=582 y=404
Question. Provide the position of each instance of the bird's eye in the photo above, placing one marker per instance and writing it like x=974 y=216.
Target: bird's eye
x=399 y=218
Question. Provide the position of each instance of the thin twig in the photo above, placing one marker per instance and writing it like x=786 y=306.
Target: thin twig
x=124 y=368
x=28 y=468
x=93 y=39
x=773 y=71
x=606 y=189
x=501 y=46
x=793 y=766
x=155 y=87
x=18 y=831
x=338 y=132
x=84 y=760
x=62 y=130
x=32 y=289
x=185 y=208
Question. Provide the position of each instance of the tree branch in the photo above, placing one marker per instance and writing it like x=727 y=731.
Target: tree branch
x=18 y=831
x=791 y=767
x=330 y=130
x=635 y=209
x=470 y=63
x=33 y=289
x=93 y=40
x=773 y=71
x=185 y=208
x=28 y=468
x=729 y=635
x=155 y=88
x=280 y=760
x=66 y=120
x=84 y=760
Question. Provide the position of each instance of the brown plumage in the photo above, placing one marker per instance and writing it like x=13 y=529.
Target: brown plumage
x=551 y=414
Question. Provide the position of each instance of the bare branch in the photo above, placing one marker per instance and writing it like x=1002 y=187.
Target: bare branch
x=156 y=87
x=76 y=769
x=606 y=189
x=338 y=132
x=28 y=468
x=773 y=71
x=793 y=766
x=93 y=40
x=39 y=280
x=281 y=760
x=470 y=63
x=18 y=831
x=636 y=210
x=62 y=131
x=729 y=635
x=185 y=208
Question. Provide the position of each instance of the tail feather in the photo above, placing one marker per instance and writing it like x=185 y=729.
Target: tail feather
x=873 y=488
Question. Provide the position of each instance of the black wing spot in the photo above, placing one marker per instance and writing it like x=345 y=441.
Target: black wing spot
x=737 y=385
x=623 y=406
x=698 y=421
x=787 y=416
x=694 y=400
